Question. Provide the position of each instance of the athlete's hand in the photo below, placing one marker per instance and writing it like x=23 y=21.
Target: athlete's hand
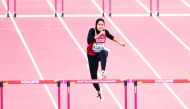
x=122 y=44
x=102 y=32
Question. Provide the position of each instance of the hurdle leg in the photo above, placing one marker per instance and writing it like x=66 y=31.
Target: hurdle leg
x=135 y=94
x=8 y=8
x=110 y=7
x=125 y=90
x=15 y=8
x=1 y=94
x=55 y=8
x=158 y=7
x=68 y=94
x=59 y=94
x=103 y=7
x=62 y=8
x=150 y=7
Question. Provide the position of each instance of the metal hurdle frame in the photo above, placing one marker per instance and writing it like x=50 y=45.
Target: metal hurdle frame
x=145 y=81
x=63 y=8
x=150 y=6
x=69 y=82
x=15 y=8
x=19 y=82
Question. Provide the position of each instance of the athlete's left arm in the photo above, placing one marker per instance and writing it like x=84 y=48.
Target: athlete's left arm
x=120 y=43
x=110 y=36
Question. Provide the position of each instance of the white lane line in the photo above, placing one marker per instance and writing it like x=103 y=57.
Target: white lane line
x=36 y=16
x=82 y=15
x=130 y=15
x=175 y=15
x=3 y=16
x=66 y=15
x=31 y=57
x=186 y=3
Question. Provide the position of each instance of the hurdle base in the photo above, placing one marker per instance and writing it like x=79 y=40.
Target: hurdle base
x=150 y=13
x=14 y=14
x=55 y=14
x=110 y=14
x=158 y=14
x=8 y=15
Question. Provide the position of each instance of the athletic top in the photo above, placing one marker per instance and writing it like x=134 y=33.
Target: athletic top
x=96 y=45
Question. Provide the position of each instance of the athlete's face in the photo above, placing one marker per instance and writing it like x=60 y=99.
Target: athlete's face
x=100 y=26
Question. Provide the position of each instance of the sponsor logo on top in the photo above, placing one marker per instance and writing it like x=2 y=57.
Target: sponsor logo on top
x=164 y=81
x=30 y=82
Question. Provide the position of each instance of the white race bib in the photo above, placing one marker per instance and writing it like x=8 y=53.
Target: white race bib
x=97 y=47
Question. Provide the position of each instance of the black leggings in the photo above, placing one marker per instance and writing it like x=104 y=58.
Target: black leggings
x=93 y=65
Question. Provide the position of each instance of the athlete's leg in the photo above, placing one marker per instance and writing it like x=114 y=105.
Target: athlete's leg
x=103 y=59
x=93 y=66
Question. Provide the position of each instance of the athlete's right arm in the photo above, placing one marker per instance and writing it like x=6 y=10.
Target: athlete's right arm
x=90 y=37
x=98 y=35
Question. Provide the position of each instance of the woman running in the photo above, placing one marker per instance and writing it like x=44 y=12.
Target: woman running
x=96 y=51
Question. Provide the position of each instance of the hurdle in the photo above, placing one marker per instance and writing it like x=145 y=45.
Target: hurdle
x=157 y=7
x=109 y=81
x=136 y=82
x=125 y=82
x=56 y=10
x=19 y=82
x=15 y=8
x=150 y=7
x=8 y=8
x=63 y=8
x=59 y=82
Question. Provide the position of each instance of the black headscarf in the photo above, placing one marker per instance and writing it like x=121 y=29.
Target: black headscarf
x=99 y=19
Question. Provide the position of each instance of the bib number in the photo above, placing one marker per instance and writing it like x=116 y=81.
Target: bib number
x=97 y=47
